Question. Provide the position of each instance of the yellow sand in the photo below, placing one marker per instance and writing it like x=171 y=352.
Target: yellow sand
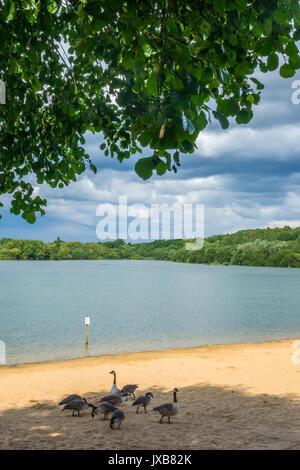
x=243 y=396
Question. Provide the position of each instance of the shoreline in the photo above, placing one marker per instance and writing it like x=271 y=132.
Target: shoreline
x=150 y=351
x=160 y=260
x=232 y=396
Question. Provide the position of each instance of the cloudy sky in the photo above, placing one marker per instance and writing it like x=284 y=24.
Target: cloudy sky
x=247 y=176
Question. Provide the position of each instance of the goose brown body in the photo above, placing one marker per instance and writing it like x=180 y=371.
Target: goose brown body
x=104 y=407
x=129 y=389
x=117 y=417
x=77 y=405
x=167 y=410
x=143 y=400
x=69 y=398
x=113 y=399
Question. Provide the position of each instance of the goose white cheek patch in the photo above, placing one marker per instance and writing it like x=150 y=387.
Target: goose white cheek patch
x=2 y=353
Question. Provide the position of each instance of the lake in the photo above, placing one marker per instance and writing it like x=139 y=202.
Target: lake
x=139 y=306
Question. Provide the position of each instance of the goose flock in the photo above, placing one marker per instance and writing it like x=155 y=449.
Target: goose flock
x=109 y=404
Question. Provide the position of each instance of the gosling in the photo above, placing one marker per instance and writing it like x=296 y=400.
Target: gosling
x=129 y=390
x=105 y=408
x=77 y=405
x=144 y=401
x=69 y=398
x=117 y=417
x=168 y=409
x=114 y=399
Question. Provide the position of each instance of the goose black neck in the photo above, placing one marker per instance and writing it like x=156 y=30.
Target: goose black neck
x=115 y=379
x=175 y=397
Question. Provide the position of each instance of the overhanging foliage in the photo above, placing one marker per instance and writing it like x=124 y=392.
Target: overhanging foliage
x=145 y=73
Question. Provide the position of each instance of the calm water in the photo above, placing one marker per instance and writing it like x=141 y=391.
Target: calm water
x=140 y=305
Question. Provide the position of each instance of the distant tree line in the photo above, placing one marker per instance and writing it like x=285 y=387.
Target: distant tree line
x=259 y=247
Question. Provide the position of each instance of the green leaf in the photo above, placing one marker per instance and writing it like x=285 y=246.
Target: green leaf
x=145 y=138
x=93 y=168
x=233 y=40
x=224 y=107
x=202 y=121
x=176 y=157
x=182 y=54
x=171 y=25
x=291 y=49
x=294 y=62
x=52 y=6
x=144 y=167
x=197 y=100
x=186 y=147
x=36 y=84
x=161 y=168
x=151 y=84
x=259 y=85
x=244 y=116
x=296 y=34
x=148 y=51
x=30 y=217
x=187 y=124
x=286 y=71
x=264 y=67
x=273 y=62
x=127 y=60
x=222 y=119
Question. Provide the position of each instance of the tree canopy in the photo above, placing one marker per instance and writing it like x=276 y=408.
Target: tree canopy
x=145 y=73
x=260 y=247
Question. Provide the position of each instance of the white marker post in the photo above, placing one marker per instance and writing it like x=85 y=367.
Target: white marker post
x=87 y=322
x=2 y=92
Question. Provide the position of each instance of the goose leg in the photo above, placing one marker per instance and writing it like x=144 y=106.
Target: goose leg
x=133 y=396
x=161 y=420
x=73 y=412
x=169 y=420
x=145 y=408
x=137 y=410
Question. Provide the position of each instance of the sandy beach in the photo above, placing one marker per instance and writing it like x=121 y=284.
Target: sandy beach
x=242 y=396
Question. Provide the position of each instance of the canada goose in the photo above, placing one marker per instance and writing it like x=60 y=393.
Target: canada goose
x=114 y=389
x=77 y=405
x=69 y=399
x=104 y=407
x=113 y=399
x=129 y=390
x=144 y=401
x=117 y=417
x=168 y=409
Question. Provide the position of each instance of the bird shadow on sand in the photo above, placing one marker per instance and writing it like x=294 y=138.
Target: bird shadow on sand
x=209 y=417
